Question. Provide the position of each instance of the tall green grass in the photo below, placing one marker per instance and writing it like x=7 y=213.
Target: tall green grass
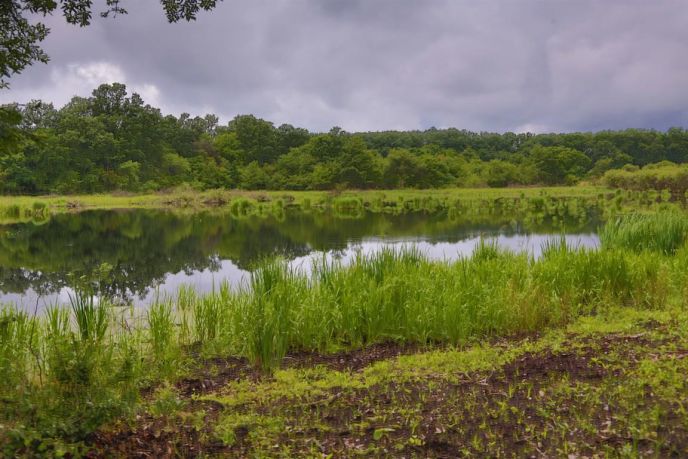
x=63 y=374
x=17 y=333
x=400 y=295
x=663 y=232
x=90 y=318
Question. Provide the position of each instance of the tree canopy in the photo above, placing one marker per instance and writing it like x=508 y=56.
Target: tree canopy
x=20 y=37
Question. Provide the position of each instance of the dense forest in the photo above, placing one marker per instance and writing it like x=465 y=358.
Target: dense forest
x=115 y=141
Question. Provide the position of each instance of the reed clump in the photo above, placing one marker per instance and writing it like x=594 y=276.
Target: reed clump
x=663 y=232
x=64 y=374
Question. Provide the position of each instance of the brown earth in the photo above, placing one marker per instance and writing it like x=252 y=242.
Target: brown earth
x=505 y=406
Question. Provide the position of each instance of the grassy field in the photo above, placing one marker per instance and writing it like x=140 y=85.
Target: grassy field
x=498 y=354
x=536 y=202
x=18 y=208
x=162 y=199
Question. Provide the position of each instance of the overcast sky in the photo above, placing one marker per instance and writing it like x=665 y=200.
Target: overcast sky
x=519 y=65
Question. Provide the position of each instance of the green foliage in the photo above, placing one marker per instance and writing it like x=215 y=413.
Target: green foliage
x=164 y=342
x=17 y=333
x=559 y=164
x=254 y=177
x=114 y=141
x=63 y=376
x=12 y=211
x=10 y=132
x=20 y=39
x=658 y=177
x=91 y=319
x=665 y=232
x=266 y=310
x=501 y=173
x=166 y=402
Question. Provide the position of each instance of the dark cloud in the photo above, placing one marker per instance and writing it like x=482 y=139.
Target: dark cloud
x=389 y=64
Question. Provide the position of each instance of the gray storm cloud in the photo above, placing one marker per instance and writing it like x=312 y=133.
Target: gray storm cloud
x=389 y=64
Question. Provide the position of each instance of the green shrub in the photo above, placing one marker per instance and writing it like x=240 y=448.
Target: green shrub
x=660 y=177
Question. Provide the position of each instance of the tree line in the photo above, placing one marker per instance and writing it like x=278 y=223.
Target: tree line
x=113 y=140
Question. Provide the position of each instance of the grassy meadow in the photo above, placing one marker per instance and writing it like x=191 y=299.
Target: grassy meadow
x=578 y=352
x=20 y=207
x=520 y=201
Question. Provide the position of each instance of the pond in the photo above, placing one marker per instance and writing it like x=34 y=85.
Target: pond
x=134 y=255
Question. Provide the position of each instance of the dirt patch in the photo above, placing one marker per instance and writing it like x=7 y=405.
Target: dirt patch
x=351 y=360
x=215 y=201
x=651 y=324
x=537 y=366
x=527 y=408
x=582 y=364
x=161 y=437
x=73 y=206
x=216 y=373
x=212 y=374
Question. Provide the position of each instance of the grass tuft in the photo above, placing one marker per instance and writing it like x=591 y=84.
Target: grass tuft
x=664 y=232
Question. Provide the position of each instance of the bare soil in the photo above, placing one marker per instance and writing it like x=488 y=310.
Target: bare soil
x=511 y=407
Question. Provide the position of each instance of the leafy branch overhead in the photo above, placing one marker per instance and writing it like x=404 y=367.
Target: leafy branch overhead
x=21 y=34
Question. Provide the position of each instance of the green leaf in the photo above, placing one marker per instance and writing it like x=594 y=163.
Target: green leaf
x=379 y=433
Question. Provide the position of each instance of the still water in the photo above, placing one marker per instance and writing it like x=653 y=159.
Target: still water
x=134 y=255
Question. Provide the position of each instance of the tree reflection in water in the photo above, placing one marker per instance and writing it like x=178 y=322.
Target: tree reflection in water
x=126 y=253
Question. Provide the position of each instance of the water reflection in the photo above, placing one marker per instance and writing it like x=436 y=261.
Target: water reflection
x=135 y=255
